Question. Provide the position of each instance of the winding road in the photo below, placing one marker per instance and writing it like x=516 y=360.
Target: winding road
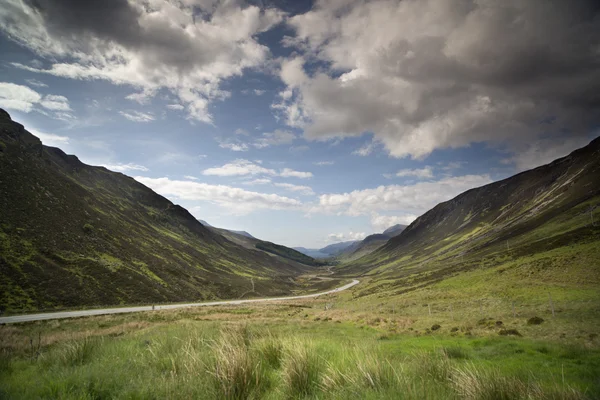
x=104 y=311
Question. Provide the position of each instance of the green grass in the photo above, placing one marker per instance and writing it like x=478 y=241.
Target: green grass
x=182 y=355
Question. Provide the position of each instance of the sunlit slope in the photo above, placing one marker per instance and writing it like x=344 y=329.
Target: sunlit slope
x=73 y=234
x=534 y=211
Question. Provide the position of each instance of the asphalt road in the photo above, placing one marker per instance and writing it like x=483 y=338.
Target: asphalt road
x=104 y=311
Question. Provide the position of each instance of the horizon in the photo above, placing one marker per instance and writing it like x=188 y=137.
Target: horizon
x=290 y=117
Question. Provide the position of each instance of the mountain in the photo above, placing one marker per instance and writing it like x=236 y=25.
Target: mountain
x=532 y=212
x=394 y=230
x=336 y=248
x=314 y=253
x=370 y=243
x=77 y=235
x=248 y=241
x=328 y=251
x=243 y=233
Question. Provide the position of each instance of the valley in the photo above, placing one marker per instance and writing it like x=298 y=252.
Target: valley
x=491 y=294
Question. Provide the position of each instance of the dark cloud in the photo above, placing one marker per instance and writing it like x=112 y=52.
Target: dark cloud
x=115 y=20
x=430 y=74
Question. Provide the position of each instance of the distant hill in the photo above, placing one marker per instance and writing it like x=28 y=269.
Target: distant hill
x=248 y=241
x=337 y=248
x=328 y=251
x=534 y=211
x=73 y=235
x=314 y=253
x=370 y=243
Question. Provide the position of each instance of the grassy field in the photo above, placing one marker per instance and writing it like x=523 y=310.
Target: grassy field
x=323 y=348
x=506 y=326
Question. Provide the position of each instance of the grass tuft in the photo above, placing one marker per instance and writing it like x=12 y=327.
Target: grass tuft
x=302 y=370
x=237 y=373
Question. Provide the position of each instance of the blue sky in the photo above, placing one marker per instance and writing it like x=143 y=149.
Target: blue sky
x=303 y=123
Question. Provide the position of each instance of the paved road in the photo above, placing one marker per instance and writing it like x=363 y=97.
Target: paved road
x=104 y=311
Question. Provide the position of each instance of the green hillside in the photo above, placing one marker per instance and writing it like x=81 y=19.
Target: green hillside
x=77 y=235
x=534 y=212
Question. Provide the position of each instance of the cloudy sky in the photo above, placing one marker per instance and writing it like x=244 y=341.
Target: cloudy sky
x=305 y=123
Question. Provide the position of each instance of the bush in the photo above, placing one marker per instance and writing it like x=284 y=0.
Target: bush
x=88 y=228
x=535 y=321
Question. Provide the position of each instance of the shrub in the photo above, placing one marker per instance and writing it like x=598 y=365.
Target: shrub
x=535 y=321
x=509 y=332
x=88 y=228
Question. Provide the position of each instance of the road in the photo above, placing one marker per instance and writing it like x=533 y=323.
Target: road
x=104 y=311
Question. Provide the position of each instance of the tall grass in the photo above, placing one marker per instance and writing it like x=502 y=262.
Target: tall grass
x=225 y=361
x=302 y=369
x=238 y=372
x=476 y=383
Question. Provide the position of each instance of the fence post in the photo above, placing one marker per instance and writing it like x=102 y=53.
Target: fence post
x=551 y=304
x=451 y=313
x=429 y=306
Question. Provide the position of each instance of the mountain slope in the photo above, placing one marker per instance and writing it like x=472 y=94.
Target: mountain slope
x=286 y=254
x=534 y=211
x=73 y=234
x=370 y=243
x=337 y=248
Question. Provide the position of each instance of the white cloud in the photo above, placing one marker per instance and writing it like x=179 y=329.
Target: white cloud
x=426 y=172
x=235 y=200
x=234 y=145
x=365 y=150
x=239 y=167
x=36 y=83
x=55 y=103
x=125 y=167
x=287 y=173
x=259 y=92
x=323 y=163
x=243 y=167
x=22 y=98
x=432 y=74
x=452 y=165
x=382 y=222
x=305 y=190
x=343 y=237
x=50 y=139
x=259 y=181
x=18 y=97
x=408 y=199
x=275 y=138
x=177 y=107
x=240 y=131
x=137 y=116
x=187 y=48
x=190 y=177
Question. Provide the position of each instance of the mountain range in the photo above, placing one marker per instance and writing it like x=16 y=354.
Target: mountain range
x=354 y=249
x=78 y=235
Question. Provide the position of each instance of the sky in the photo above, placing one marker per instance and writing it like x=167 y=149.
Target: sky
x=305 y=123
